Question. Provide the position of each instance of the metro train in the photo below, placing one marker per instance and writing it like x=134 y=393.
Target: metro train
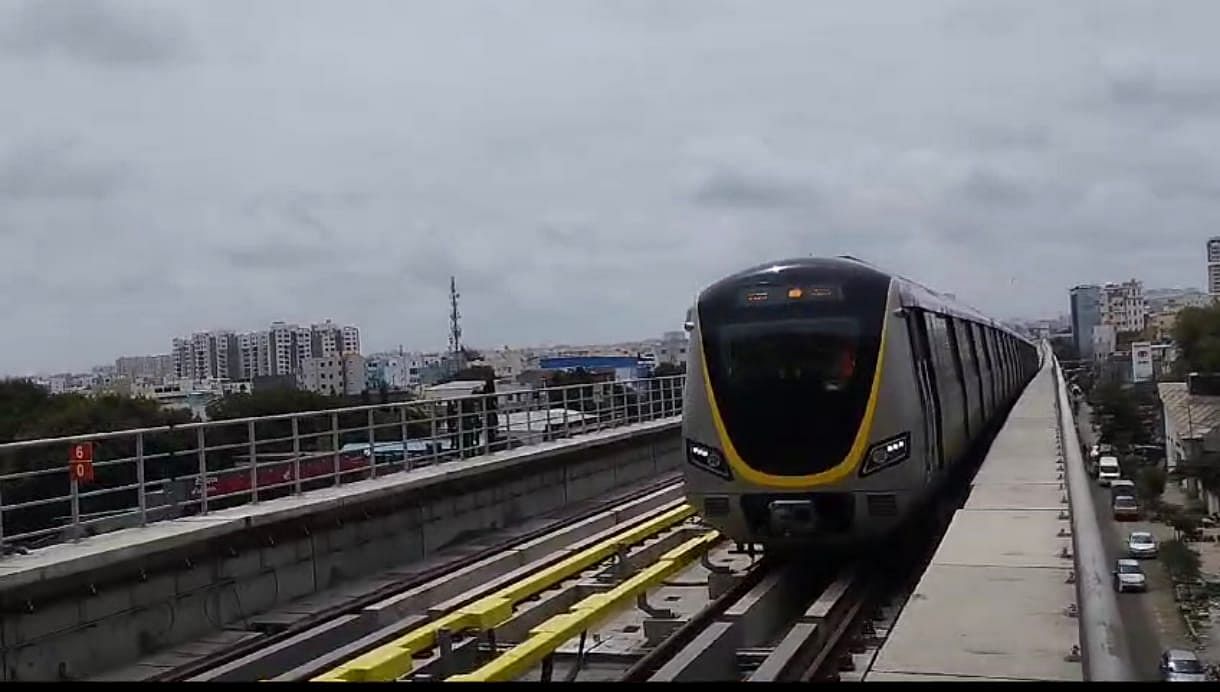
x=827 y=400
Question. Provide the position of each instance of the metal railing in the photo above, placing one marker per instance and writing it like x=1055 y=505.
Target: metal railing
x=146 y=475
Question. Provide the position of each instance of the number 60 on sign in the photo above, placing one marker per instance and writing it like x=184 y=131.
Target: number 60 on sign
x=80 y=462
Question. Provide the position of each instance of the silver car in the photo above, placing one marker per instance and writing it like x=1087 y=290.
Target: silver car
x=1129 y=576
x=1180 y=665
x=1141 y=544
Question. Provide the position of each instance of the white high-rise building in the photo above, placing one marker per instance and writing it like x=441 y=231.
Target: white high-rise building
x=351 y=340
x=206 y=356
x=334 y=375
x=281 y=346
x=1213 y=266
x=154 y=368
x=249 y=366
x=1123 y=306
x=280 y=350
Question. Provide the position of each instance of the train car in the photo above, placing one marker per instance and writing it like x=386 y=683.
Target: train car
x=826 y=399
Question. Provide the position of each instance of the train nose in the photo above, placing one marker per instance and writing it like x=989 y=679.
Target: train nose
x=789 y=517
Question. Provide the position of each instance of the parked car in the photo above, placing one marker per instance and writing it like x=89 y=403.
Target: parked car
x=1108 y=470
x=1121 y=487
x=1126 y=508
x=1141 y=544
x=1180 y=665
x=1129 y=576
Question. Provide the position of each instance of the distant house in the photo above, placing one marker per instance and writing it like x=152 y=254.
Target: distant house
x=1192 y=430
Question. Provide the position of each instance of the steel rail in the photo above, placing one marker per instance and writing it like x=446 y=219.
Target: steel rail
x=250 y=646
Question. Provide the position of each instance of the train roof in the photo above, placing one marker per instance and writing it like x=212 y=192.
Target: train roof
x=912 y=293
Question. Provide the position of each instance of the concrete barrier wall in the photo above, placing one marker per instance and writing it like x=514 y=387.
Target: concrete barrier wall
x=88 y=623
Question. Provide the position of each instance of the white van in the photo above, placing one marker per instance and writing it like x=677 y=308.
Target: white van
x=1108 y=470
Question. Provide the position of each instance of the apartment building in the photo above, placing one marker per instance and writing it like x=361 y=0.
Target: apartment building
x=1123 y=307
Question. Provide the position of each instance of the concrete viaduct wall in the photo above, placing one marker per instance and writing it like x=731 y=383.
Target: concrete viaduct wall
x=75 y=610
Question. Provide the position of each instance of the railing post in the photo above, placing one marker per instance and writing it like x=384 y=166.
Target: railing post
x=372 y=446
x=566 y=430
x=461 y=432
x=75 y=490
x=1 y=518
x=334 y=443
x=203 y=470
x=529 y=426
x=406 y=454
x=434 y=443
x=483 y=416
x=652 y=398
x=253 y=461
x=141 y=490
x=296 y=455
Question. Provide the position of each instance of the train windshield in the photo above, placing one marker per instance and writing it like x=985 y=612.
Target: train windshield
x=792 y=380
x=817 y=354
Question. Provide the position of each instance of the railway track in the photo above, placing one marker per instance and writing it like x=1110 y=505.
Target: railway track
x=682 y=604
x=367 y=616
x=656 y=598
x=651 y=595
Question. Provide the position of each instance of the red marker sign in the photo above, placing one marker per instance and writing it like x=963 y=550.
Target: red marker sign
x=80 y=462
x=81 y=451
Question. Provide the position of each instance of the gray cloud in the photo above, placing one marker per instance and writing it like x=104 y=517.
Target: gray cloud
x=729 y=189
x=94 y=31
x=285 y=255
x=582 y=171
x=990 y=188
x=1178 y=96
x=52 y=170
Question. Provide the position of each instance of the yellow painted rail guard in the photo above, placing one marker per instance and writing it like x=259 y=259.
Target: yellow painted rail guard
x=548 y=636
x=392 y=660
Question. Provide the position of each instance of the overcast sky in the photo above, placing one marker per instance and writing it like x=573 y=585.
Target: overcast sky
x=583 y=168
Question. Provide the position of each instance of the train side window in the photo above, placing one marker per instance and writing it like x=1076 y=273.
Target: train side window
x=1009 y=345
x=976 y=357
x=938 y=339
x=997 y=342
x=1012 y=361
x=999 y=349
x=923 y=357
x=958 y=367
x=993 y=371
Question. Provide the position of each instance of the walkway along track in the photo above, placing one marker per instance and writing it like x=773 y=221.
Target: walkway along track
x=245 y=660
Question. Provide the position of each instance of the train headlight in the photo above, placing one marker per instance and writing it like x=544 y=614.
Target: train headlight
x=886 y=453
x=707 y=458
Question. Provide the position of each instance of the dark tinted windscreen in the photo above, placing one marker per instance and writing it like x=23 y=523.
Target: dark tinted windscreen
x=814 y=354
x=792 y=375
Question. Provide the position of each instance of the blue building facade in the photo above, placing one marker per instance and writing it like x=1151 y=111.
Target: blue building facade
x=624 y=367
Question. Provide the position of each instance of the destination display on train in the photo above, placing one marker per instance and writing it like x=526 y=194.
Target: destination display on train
x=758 y=296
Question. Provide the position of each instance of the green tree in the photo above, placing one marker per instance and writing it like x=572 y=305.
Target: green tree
x=1150 y=483
x=29 y=413
x=1197 y=334
x=1115 y=415
x=1180 y=560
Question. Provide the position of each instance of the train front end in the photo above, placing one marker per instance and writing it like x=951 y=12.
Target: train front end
x=783 y=384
